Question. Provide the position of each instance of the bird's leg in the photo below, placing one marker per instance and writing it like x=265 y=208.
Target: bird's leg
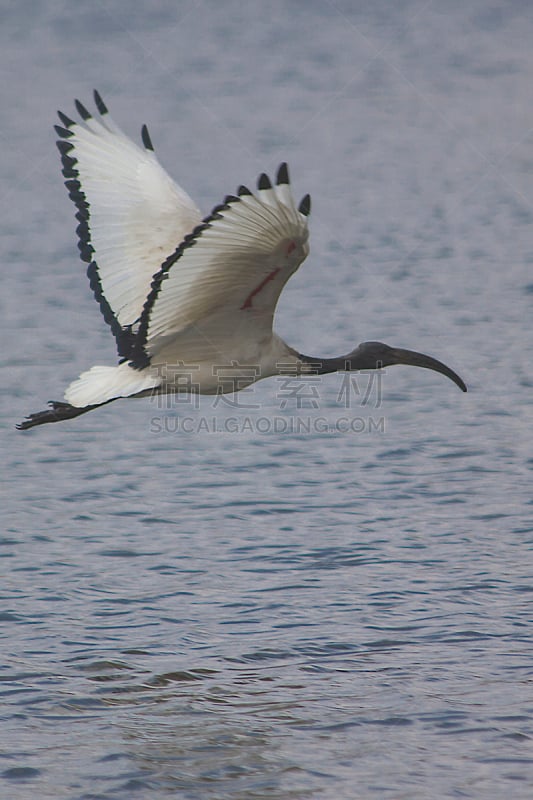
x=56 y=413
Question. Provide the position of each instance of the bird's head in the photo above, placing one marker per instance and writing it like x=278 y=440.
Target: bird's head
x=375 y=355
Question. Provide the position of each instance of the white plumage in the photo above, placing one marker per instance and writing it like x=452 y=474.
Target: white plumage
x=137 y=213
x=183 y=297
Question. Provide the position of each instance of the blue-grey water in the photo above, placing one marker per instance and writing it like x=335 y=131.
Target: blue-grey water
x=337 y=610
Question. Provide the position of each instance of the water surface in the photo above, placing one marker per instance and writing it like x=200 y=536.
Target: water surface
x=274 y=613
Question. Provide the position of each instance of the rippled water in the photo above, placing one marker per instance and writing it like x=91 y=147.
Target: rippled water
x=268 y=612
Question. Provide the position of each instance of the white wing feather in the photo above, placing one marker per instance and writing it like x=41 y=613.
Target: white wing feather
x=137 y=214
x=236 y=263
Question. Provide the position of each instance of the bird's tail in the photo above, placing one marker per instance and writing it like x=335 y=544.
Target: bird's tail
x=101 y=384
x=94 y=388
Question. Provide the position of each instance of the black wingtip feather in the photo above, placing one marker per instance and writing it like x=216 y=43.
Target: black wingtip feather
x=264 y=182
x=305 y=205
x=243 y=190
x=216 y=210
x=67 y=122
x=69 y=166
x=147 y=142
x=64 y=133
x=86 y=252
x=64 y=146
x=100 y=105
x=283 y=174
x=82 y=111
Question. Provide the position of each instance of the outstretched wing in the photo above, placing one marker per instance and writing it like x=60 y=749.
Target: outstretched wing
x=131 y=213
x=235 y=263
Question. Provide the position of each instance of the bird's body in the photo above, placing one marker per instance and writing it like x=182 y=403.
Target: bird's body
x=190 y=302
x=176 y=368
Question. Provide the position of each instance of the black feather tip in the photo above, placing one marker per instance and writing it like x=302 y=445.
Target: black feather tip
x=100 y=105
x=147 y=142
x=216 y=210
x=82 y=111
x=283 y=174
x=63 y=133
x=64 y=146
x=67 y=122
x=305 y=205
x=264 y=182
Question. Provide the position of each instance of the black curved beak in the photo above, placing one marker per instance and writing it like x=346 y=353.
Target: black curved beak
x=415 y=359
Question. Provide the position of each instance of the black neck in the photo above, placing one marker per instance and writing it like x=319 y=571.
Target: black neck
x=323 y=366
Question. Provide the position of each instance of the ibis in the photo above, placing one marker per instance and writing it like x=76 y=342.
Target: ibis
x=190 y=301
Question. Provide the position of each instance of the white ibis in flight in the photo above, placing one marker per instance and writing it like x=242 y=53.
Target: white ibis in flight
x=190 y=301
